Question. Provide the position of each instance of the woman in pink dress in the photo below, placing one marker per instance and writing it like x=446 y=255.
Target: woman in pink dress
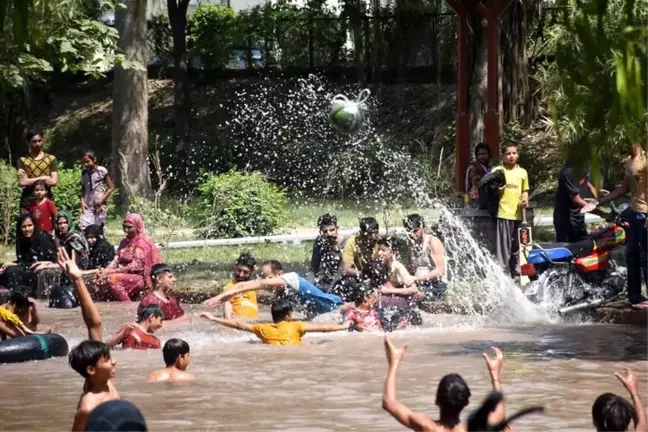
x=130 y=272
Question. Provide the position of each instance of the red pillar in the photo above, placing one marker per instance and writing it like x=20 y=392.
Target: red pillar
x=491 y=10
x=463 y=8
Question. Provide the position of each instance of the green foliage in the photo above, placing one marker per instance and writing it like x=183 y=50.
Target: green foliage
x=238 y=204
x=9 y=199
x=597 y=86
x=157 y=217
x=67 y=193
x=213 y=34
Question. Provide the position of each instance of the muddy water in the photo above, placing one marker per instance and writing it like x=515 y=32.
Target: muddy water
x=334 y=382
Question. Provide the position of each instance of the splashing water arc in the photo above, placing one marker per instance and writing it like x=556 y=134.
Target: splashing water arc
x=283 y=130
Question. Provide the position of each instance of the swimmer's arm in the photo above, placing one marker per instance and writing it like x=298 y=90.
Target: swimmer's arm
x=81 y=417
x=35 y=318
x=326 y=328
x=10 y=330
x=642 y=422
x=228 y=322
x=242 y=287
x=228 y=310
x=119 y=337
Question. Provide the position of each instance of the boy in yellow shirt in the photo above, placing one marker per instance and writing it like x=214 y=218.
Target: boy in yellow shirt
x=243 y=305
x=283 y=330
x=10 y=323
x=514 y=195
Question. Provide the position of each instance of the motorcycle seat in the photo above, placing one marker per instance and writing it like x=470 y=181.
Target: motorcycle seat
x=560 y=251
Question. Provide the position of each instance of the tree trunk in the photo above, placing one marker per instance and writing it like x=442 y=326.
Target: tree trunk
x=478 y=80
x=355 y=17
x=184 y=175
x=130 y=107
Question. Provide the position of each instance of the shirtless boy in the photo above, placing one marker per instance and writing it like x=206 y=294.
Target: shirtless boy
x=91 y=358
x=453 y=396
x=176 y=358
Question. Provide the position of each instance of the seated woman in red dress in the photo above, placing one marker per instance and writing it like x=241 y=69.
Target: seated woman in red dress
x=130 y=272
x=163 y=285
x=140 y=335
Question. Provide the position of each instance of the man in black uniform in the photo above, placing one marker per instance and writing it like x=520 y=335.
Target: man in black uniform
x=573 y=189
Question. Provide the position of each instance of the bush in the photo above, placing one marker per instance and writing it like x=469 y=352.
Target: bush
x=9 y=200
x=237 y=204
x=67 y=193
x=156 y=217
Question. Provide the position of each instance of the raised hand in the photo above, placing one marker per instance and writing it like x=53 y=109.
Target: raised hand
x=393 y=355
x=629 y=380
x=494 y=365
x=68 y=264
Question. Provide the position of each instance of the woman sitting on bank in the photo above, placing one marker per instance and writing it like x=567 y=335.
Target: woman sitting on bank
x=102 y=252
x=35 y=252
x=71 y=239
x=130 y=272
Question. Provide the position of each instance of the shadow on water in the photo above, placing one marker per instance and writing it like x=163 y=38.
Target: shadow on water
x=614 y=343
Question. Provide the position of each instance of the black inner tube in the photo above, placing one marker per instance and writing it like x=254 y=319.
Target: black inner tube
x=33 y=347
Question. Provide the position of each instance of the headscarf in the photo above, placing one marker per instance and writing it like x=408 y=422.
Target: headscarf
x=73 y=240
x=102 y=253
x=38 y=247
x=143 y=241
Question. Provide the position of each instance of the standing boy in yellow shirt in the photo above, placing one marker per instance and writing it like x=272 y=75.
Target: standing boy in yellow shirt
x=514 y=196
x=283 y=330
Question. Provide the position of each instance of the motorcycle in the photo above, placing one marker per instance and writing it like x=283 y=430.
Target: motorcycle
x=578 y=276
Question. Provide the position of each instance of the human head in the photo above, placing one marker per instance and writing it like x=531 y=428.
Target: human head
x=482 y=153
x=163 y=277
x=362 y=294
x=511 y=154
x=375 y=273
x=150 y=316
x=386 y=250
x=116 y=416
x=40 y=189
x=89 y=160
x=93 y=233
x=25 y=226
x=414 y=224
x=328 y=227
x=63 y=221
x=453 y=395
x=176 y=353
x=369 y=230
x=612 y=413
x=35 y=140
x=281 y=310
x=92 y=360
x=244 y=267
x=17 y=302
x=133 y=225
x=271 y=268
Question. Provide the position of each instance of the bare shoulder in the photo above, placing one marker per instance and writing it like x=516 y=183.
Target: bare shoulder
x=436 y=243
x=184 y=376
x=421 y=422
x=158 y=375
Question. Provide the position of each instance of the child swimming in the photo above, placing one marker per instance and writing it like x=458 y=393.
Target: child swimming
x=176 y=359
x=283 y=330
x=363 y=314
x=140 y=335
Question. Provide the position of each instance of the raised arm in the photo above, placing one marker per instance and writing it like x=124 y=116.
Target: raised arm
x=494 y=367
x=89 y=310
x=228 y=323
x=404 y=415
x=630 y=382
x=326 y=328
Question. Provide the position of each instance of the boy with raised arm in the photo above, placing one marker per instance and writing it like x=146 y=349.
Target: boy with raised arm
x=176 y=358
x=453 y=395
x=91 y=358
x=613 y=413
x=283 y=330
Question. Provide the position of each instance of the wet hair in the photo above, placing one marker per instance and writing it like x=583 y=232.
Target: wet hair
x=87 y=354
x=414 y=221
x=387 y=242
x=358 y=292
x=482 y=146
x=40 y=183
x=31 y=134
x=173 y=349
x=160 y=268
x=375 y=273
x=326 y=220
x=509 y=145
x=275 y=265
x=246 y=260
x=368 y=223
x=19 y=300
x=91 y=154
x=280 y=309
x=453 y=394
x=95 y=231
x=149 y=311
x=612 y=413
